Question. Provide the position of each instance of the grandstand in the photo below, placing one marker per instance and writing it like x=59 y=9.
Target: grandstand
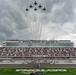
x=37 y=53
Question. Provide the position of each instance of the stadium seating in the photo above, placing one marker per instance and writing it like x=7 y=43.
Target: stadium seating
x=36 y=55
x=51 y=53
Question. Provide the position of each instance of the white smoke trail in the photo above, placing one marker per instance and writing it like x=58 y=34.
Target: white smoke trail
x=31 y=29
x=38 y=26
x=35 y=25
x=37 y=31
x=34 y=31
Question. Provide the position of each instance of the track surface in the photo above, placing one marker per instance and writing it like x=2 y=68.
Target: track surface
x=37 y=65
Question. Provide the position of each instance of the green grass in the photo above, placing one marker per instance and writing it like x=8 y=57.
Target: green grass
x=12 y=71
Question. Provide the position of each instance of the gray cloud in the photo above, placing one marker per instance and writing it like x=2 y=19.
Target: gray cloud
x=59 y=21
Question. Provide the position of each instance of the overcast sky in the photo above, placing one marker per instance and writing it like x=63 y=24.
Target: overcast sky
x=59 y=19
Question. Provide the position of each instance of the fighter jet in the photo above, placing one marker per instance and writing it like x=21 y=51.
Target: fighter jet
x=44 y=9
x=27 y=9
x=35 y=3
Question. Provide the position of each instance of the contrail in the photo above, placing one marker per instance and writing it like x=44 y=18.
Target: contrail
x=31 y=29
x=40 y=30
x=38 y=27
x=37 y=31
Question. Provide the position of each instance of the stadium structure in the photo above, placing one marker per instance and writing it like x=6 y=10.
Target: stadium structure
x=37 y=53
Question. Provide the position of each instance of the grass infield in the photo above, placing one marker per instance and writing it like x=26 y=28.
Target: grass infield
x=12 y=71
